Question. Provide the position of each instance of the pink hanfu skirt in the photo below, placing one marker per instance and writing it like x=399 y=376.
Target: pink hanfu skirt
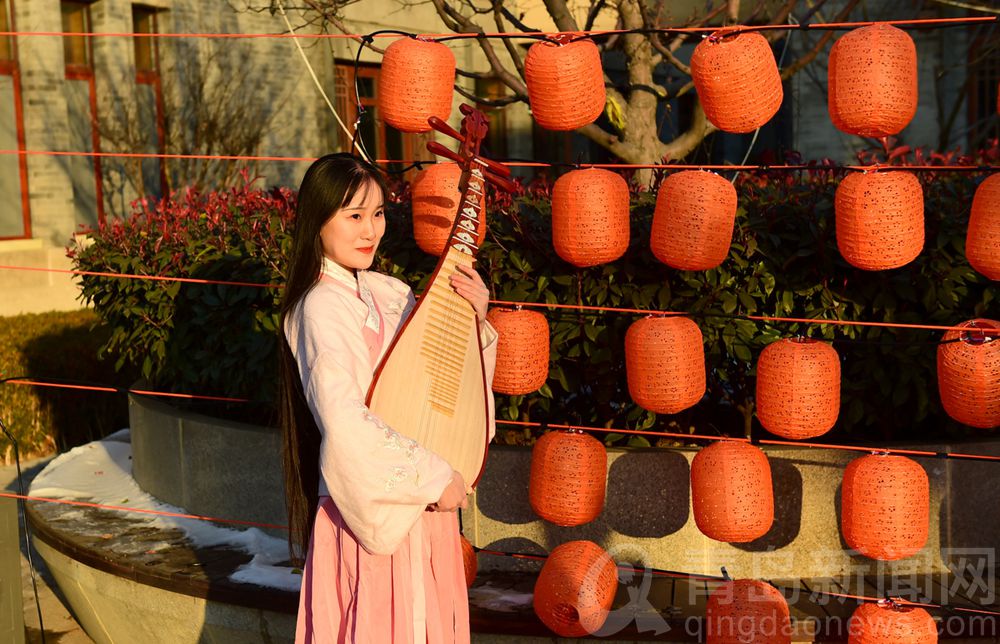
x=417 y=594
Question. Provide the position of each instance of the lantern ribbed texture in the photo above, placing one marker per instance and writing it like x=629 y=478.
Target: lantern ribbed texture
x=875 y=624
x=565 y=84
x=880 y=219
x=522 y=352
x=737 y=80
x=415 y=82
x=747 y=611
x=969 y=374
x=872 y=81
x=693 y=220
x=885 y=506
x=575 y=588
x=470 y=561
x=435 y=204
x=590 y=217
x=798 y=388
x=568 y=478
x=731 y=492
x=665 y=361
x=982 y=240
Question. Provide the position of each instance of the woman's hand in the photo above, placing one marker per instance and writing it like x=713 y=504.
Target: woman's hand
x=454 y=496
x=469 y=285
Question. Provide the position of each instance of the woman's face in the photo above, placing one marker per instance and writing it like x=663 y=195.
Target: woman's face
x=351 y=236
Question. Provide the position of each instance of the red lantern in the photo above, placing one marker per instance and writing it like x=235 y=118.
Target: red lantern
x=590 y=217
x=880 y=219
x=982 y=241
x=470 y=562
x=565 y=84
x=435 y=202
x=568 y=477
x=665 y=360
x=968 y=368
x=874 y=623
x=885 y=506
x=731 y=492
x=872 y=81
x=415 y=82
x=798 y=388
x=693 y=220
x=522 y=352
x=737 y=80
x=747 y=611
x=575 y=588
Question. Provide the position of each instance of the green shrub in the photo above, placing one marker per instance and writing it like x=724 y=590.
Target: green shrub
x=64 y=346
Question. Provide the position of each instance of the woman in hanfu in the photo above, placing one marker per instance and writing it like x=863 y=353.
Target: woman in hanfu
x=373 y=512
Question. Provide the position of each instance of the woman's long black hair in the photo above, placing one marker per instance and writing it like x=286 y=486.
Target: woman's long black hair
x=329 y=183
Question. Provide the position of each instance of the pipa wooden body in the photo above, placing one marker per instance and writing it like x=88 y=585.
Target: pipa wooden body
x=431 y=385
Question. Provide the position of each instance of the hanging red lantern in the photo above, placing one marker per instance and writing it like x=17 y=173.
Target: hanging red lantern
x=693 y=220
x=575 y=588
x=665 y=361
x=798 y=388
x=982 y=240
x=522 y=352
x=416 y=81
x=881 y=623
x=879 y=219
x=565 y=84
x=885 y=506
x=968 y=369
x=872 y=81
x=435 y=202
x=568 y=478
x=469 y=560
x=590 y=217
x=747 y=611
x=731 y=492
x=737 y=80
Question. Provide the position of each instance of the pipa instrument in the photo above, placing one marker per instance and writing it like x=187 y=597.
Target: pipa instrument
x=431 y=385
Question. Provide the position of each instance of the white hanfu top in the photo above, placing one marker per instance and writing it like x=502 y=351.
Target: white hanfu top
x=380 y=481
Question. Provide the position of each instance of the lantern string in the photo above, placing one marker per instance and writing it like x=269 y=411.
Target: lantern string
x=410 y=164
x=548 y=305
x=85 y=385
x=896 y=600
x=926 y=23
x=514 y=555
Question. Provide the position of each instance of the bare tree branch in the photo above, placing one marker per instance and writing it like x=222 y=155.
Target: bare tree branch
x=499 y=102
x=595 y=8
x=515 y=56
x=669 y=55
x=733 y=10
x=461 y=24
x=514 y=20
x=685 y=143
x=561 y=14
x=809 y=56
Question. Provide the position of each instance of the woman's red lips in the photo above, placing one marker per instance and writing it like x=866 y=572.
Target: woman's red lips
x=367 y=249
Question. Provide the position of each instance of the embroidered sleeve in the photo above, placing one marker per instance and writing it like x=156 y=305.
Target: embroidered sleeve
x=380 y=480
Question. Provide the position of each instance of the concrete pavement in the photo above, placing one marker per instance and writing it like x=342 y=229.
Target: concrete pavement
x=60 y=626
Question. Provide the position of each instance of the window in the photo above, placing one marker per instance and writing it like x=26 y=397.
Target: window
x=984 y=76
x=76 y=19
x=146 y=55
x=149 y=89
x=380 y=140
x=81 y=112
x=15 y=214
x=493 y=89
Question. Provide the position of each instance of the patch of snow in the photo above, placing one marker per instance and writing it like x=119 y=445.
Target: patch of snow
x=101 y=472
x=502 y=600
